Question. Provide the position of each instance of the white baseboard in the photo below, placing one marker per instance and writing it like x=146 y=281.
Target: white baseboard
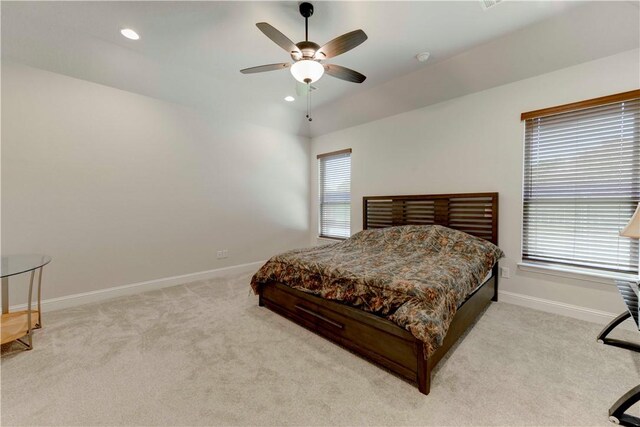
x=549 y=306
x=563 y=309
x=136 y=288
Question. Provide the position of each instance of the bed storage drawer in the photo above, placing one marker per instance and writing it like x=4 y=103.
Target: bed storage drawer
x=381 y=340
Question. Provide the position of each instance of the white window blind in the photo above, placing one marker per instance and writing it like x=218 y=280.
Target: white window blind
x=335 y=194
x=581 y=187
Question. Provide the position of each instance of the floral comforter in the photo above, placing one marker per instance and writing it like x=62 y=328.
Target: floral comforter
x=415 y=276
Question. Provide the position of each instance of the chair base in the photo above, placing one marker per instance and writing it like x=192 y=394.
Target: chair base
x=602 y=337
x=617 y=413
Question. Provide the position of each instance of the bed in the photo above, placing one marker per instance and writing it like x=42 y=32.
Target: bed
x=362 y=322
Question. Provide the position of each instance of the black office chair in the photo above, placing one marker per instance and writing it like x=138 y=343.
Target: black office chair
x=630 y=293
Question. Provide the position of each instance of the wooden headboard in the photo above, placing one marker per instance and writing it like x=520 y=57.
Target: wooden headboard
x=473 y=213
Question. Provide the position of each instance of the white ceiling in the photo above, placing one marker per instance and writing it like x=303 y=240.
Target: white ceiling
x=191 y=52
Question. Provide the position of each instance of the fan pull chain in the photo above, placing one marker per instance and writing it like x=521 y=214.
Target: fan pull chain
x=309 y=101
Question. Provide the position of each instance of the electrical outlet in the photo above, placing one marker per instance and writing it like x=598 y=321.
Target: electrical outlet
x=222 y=254
x=505 y=273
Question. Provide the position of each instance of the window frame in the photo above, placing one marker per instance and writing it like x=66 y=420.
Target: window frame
x=324 y=157
x=553 y=267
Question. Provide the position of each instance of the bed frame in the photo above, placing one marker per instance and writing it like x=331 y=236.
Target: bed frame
x=374 y=337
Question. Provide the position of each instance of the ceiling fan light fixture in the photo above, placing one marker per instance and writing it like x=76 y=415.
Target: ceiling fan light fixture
x=307 y=71
x=306 y=67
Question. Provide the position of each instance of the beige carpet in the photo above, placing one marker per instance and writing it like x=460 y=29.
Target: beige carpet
x=206 y=354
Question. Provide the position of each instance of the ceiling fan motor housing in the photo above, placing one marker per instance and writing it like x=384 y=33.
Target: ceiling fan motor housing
x=307 y=48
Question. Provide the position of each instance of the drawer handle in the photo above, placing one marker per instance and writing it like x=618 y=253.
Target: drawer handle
x=319 y=316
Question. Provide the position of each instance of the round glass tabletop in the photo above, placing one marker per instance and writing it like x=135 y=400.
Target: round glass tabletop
x=16 y=264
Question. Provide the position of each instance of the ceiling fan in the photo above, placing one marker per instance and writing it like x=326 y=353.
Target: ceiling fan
x=307 y=55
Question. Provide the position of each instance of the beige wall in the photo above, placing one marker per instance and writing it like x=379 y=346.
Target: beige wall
x=472 y=144
x=120 y=188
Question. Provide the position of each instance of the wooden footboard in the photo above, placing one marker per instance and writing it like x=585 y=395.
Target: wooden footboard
x=370 y=336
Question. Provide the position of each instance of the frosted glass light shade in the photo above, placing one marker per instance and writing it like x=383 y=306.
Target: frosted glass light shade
x=307 y=71
x=633 y=228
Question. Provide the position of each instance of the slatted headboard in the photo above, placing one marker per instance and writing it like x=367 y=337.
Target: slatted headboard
x=473 y=213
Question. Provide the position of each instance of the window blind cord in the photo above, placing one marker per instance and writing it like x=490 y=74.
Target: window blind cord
x=620 y=184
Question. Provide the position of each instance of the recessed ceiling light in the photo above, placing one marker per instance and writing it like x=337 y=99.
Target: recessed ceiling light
x=423 y=56
x=129 y=33
x=289 y=98
x=487 y=4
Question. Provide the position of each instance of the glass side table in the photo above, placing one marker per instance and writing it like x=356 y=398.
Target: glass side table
x=630 y=293
x=19 y=324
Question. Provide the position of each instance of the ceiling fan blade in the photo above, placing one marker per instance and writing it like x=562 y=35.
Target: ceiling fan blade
x=341 y=44
x=344 y=73
x=302 y=89
x=278 y=38
x=263 y=68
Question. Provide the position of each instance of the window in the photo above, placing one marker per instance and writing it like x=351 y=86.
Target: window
x=582 y=183
x=334 y=176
